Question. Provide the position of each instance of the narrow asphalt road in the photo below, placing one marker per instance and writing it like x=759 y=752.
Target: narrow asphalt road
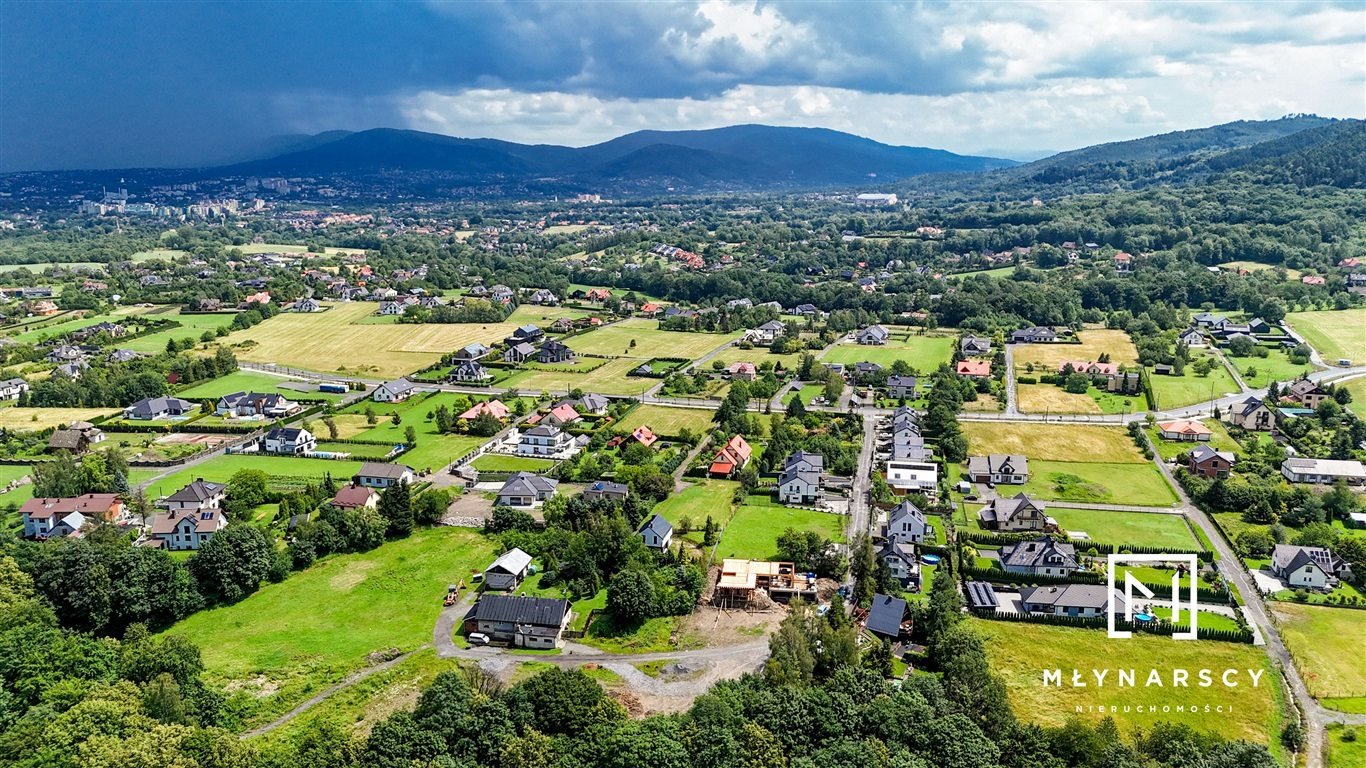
x=860 y=511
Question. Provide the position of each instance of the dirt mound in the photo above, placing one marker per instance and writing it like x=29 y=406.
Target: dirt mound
x=629 y=701
x=826 y=589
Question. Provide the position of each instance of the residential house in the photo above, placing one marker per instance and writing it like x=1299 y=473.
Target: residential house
x=543 y=296
x=767 y=333
x=11 y=389
x=1209 y=320
x=308 y=304
x=467 y=371
x=500 y=293
x=742 y=371
x=1039 y=557
x=1251 y=414
x=732 y=457
x=43 y=517
x=374 y=474
x=873 y=334
x=1087 y=601
x=1037 y=334
x=999 y=468
x=508 y=571
x=592 y=404
x=473 y=351
x=494 y=408
x=1308 y=567
x=1016 y=514
x=974 y=369
x=907 y=524
x=981 y=597
x=554 y=351
x=657 y=533
x=1184 y=430
x=189 y=528
x=158 y=408
x=867 y=373
x=561 y=415
x=800 y=481
x=544 y=440
x=1089 y=368
x=523 y=622
x=603 y=489
x=289 y=441
x=644 y=435
x=1306 y=393
x=1323 y=471
x=395 y=391
x=917 y=475
x=248 y=404
x=901 y=561
x=525 y=490
x=355 y=497
x=901 y=387
x=975 y=346
x=518 y=353
x=804 y=310
x=74 y=441
x=528 y=332
x=1204 y=461
x=885 y=617
x=200 y=494
x=1191 y=338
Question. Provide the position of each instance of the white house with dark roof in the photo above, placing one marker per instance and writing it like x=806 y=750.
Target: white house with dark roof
x=800 y=480
x=1039 y=557
x=289 y=441
x=873 y=334
x=1087 y=601
x=999 y=468
x=1016 y=514
x=524 y=490
x=907 y=524
x=271 y=405
x=901 y=561
x=975 y=346
x=606 y=489
x=395 y=391
x=1323 y=471
x=508 y=570
x=187 y=529
x=657 y=533
x=1308 y=567
x=519 y=352
x=766 y=333
x=159 y=408
x=200 y=494
x=375 y=474
x=1251 y=414
x=901 y=387
x=469 y=371
x=11 y=389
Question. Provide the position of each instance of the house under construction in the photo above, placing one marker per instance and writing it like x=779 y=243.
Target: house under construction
x=740 y=579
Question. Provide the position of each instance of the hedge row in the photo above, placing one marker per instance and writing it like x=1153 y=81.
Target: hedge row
x=1000 y=576
x=1152 y=627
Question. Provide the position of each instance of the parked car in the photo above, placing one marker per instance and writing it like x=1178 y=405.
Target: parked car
x=478 y=638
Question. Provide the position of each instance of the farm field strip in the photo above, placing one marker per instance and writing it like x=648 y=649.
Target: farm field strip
x=1094 y=343
x=1334 y=334
x=1053 y=442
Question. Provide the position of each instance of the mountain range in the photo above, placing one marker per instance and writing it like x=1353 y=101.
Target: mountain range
x=740 y=156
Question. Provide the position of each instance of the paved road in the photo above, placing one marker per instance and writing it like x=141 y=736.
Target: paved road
x=860 y=515
x=1012 y=396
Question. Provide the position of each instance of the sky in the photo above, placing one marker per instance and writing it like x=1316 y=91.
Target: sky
x=104 y=84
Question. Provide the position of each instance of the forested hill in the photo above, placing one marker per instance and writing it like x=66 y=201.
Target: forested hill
x=1304 y=150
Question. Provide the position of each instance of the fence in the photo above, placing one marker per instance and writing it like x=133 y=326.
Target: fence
x=1156 y=627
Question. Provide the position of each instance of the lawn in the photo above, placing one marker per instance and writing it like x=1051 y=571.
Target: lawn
x=53 y=330
x=433 y=450
x=221 y=468
x=1021 y=652
x=1326 y=646
x=754 y=529
x=698 y=501
x=1179 y=391
x=192 y=327
x=664 y=420
x=1274 y=367
x=1095 y=482
x=1094 y=343
x=1345 y=751
x=1257 y=266
x=1052 y=442
x=758 y=356
x=498 y=462
x=1334 y=334
x=543 y=316
x=1220 y=441
x=335 y=340
x=603 y=376
x=251 y=381
x=1046 y=398
x=1357 y=387
x=33 y=419
x=649 y=341
x=320 y=624
x=158 y=253
x=923 y=353
x=1142 y=528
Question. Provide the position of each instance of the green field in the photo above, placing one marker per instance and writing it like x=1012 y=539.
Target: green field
x=54 y=330
x=250 y=381
x=1098 y=482
x=1326 y=645
x=699 y=500
x=1142 y=528
x=1344 y=752
x=754 y=529
x=336 y=340
x=663 y=420
x=758 y=356
x=192 y=327
x=221 y=468
x=543 y=316
x=499 y=462
x=320 y=624
x=1021 y=652
x=1334 y=334
x=606 y=377
x=1178 y=391
x=1357 y=387
x=1273 y=367
x=1045 y=358
x=923 y=353
x=650 y=342
x=1052 y=442
x=433 y=450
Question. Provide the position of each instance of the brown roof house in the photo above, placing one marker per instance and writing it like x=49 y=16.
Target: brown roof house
x=188 y=529
x=1018 y=513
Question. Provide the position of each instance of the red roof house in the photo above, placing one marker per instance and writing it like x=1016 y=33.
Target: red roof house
x=974 y=368
x=731 y=458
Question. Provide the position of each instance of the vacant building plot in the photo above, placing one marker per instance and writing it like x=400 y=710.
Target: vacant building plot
x=289 y=640
x=923 y=353
x=1094 y=343
x=1098 y=483
x=1020 y=653
x=192 y=326
x=36 y=332
x=649 y=341
x=501 y=462
x=754 y=529
x=252 y=381
x=1140 y=528
x=664 y=420
x=285 y=472
x=1178 y=391
x=33 y=419
x=1358 y=389
x=1335 y=335
x=1326 y=645
x=1046 y=398
x=433 y=449
x=1053 y=442
x=1276 y=366
x=694 y=504
x=335 y=341
x=542 y=316
x=1257 y=266
x=758 y=356
x=608 y=377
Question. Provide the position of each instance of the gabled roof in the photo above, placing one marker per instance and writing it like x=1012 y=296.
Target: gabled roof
x=1003 y=510
x=289 y=434
x=204 y=520
x=398 y=386
x=525 y=483
x=522 y=611
x=1203 y=453
x=1033 y=553
x=903 y=510
x=606 y=487
x=1248 y=406
x=353 y=496
x=380 y=469
x=659 y=525
x=198 y=491
x=513 y=561
x=884 y=618
x=1289 y=558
